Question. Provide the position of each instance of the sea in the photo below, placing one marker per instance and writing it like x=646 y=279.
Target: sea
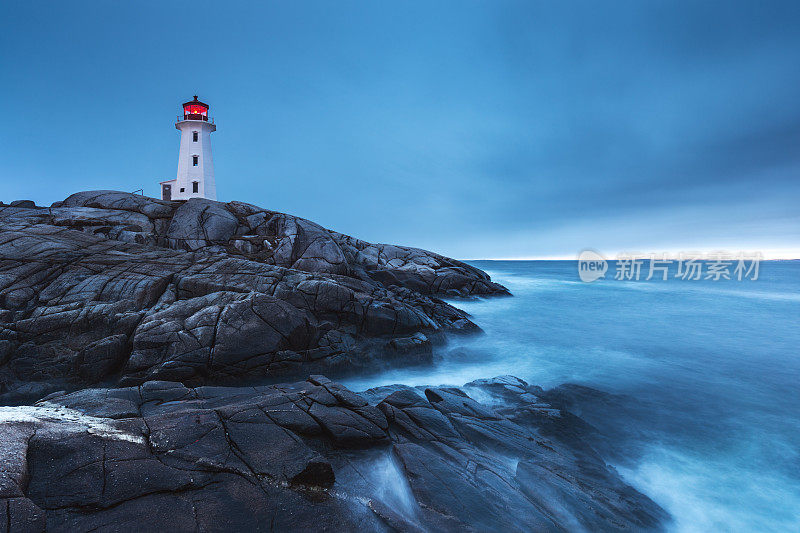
x=704 y=375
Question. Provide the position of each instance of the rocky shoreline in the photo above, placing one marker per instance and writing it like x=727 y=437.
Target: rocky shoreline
x=136 y=338
x=308 y=456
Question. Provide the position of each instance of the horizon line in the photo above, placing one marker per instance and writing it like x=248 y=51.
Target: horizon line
x=575 y=258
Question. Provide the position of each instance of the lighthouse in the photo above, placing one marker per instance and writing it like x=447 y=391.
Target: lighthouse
x=195 y=177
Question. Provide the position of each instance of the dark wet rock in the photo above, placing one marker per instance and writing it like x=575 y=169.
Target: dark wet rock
x=111 y=287
x=626 y=436
x=306 y=456
x=23 y=203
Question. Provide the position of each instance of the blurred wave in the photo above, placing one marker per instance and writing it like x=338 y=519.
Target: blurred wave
x=711 y=425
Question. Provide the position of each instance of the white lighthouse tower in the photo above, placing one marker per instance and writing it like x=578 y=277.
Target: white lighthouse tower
x=195 y=165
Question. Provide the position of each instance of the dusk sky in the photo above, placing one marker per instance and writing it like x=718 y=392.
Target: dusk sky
x=477 y=129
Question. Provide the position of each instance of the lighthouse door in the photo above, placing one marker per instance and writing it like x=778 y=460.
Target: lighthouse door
x=166 y=192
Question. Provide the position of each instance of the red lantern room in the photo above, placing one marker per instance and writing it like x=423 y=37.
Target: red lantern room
x=195 y=110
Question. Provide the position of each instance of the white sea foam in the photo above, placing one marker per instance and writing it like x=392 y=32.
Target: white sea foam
x=704 y=495
x=392 y=486
x=62 y=419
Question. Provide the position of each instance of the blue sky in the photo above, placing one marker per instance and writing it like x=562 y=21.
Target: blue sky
x=477 y=129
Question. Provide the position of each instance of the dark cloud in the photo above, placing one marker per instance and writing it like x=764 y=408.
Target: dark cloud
x=445 y=124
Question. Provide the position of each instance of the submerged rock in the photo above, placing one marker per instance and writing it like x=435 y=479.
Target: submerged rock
x=304 y=456
x=116 y=287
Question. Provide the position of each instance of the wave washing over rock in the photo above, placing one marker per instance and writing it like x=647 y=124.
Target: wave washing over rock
x=163 y=317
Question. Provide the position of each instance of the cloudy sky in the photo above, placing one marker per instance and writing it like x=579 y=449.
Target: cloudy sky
x=485 y=129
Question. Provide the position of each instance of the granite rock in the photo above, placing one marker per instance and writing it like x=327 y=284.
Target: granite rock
x=270 y=237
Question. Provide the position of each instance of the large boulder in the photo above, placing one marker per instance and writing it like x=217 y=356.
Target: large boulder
x=200 y=223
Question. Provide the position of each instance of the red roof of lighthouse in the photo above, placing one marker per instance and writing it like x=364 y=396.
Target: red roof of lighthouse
x=196 y=102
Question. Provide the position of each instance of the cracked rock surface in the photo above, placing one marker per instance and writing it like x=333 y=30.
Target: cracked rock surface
x=306 y=456
x=244 y=230
x=111 y=287
x=154 y=334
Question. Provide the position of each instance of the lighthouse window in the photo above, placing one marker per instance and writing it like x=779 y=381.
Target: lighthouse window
x=194 y=136
x=194 y=160
x=194 y=186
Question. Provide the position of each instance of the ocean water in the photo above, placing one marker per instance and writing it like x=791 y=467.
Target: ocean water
x=705 y=417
